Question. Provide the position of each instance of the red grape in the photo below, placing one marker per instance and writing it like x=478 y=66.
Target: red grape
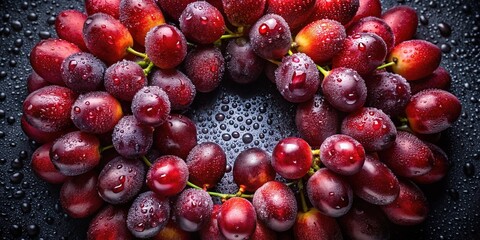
x=292 y=158
x=192 y=209
x=439 y=169
x=69 y=26
x=79 y=197
x=374 y=25
x=179 y=88
x=166 y=46
x=151 y=106
x=202 y=23
x=270 y=37
x=43 y=167
x=252 y=168
x=123 y=79
x=295 y=12
x=388 y=92
x=211 y=229
x=109 y=224
x=237 y=219
x=313 y=225
x=139 y=16
x=82 y=72
x=403 y=20
x=111 y=7
x=177 y=136
x=148 y=214
x=205 y=66
x=440 y=78
x=35 y=82
x=131 y=138
x=37 y=135
x=242 y=64
x=173 y=8
x=338 y=10
x=342 y=154
x=243 y=13
x=367 y=8
x=167 y=176
x=344 y=89
x=206 y=164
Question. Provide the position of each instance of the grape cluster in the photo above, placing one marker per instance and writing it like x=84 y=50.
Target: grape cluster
x=106 y=100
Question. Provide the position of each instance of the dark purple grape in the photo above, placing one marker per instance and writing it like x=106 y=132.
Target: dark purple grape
x=371 y=127
x=275 y=205
x=344 y=89
x=75 y=153
x=270 y=37
x=372 y=24
x=123 y=79
x=131 y=138
x=82 y=72
x=388 y=92
x=202 y=23
x=243 y=65
x=316 y=120
x=48 y=108
x=177 y=136
x=193 y=209
x=297 y=78
x=205 y=66
x=151 y=106
x=252 y=168
x=206 y=164
x=179 y=88
x=148 y=215
x=96 y=112
x=121 y=180
x=109 y=224
x=329 y=193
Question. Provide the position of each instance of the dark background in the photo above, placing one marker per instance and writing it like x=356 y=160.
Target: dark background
x=238 y=118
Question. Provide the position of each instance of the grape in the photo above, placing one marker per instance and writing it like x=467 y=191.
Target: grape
x=373 y=25
x=316 y=120
x=166 y=46
x=148 y=215
x=106 y=37
x=237 y=219
x=151 y=106
x=388 y=92
x=362 y=52
x=371 y=127
x=403 y=20
x=329 y=193
x=243 y=13
x=321 y=40
x=252 y=168
x=202 y=23
x=440 y=166
x=365 y=221
x=37 y=135
x=295 y=12
x=344 y=89
x=205 y=66
x=270 y=37
x=110 y=7
x=342 y=154
x=275 y=205
x=211 y=230
x=292 y=158
x=123 y=79
x=167 y=176
x=173 y=8
x=177 y=136
x=440 y=78
x=375 y=183
x=339 y=10
x=432 y=111
x=367 y=8
x=96 y=112
x=192 y=209
x=48 y=109
x=206 y=164
x=313 y=225
x=35 y=82
x=75 y=153
x=131 y=138
x=139 y=16
x=121 y=180
x=179 y=88
x=109 y=224
x=242 y=64
x=47 y=56
x=172 y=231
x=408 y=157
x=79 y=197
x=43 y=167
x=410 y=208
x=82 y=72
x=297 y=78
x=69 y=26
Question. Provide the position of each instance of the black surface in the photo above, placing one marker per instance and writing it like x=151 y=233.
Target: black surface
x=29 y=208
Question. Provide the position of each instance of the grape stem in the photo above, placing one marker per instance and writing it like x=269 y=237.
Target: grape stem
x=323 y=71
x=290 y=52
x=233 y=35
x=146 y=161
x=385 y=65
x=220 y=195
x=143 y=63
x=302 y=195
x=148 y=69
x=274 y=62
x=315 y=152
x=103 y=149
x=137 y=53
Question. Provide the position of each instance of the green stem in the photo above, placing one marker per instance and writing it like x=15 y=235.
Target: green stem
x=302 y=195
x=146 y=161
x=220 y=195
x=148 y=69
x=323 y=71
x=290 y=52
x=316 y=152
x=143 y=63
x=385 y=65
x=228 y=36
x=103 y=149
x=274 y=62
x=137 y=53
